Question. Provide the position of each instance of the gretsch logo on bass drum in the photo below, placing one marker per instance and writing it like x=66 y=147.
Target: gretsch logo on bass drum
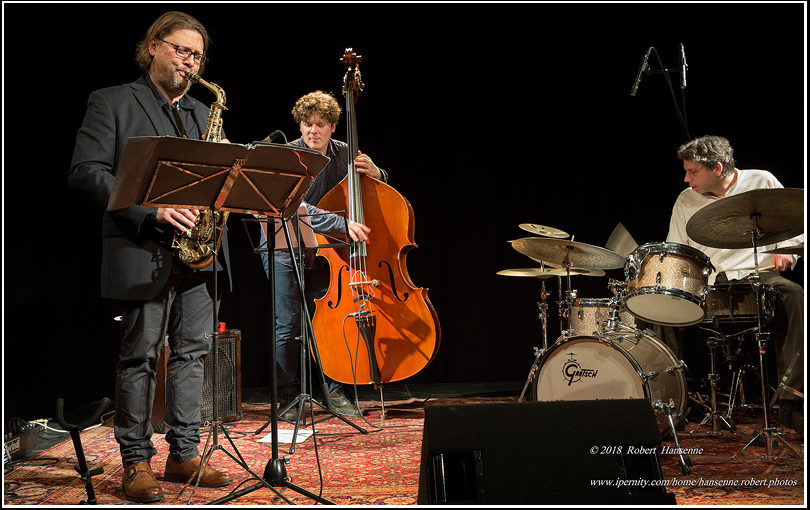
x=573 y=372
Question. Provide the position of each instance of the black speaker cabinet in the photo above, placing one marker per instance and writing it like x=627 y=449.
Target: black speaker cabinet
x=229 y=382
x=598 y=452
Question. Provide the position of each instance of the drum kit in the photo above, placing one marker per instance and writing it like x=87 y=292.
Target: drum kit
x=605 y=350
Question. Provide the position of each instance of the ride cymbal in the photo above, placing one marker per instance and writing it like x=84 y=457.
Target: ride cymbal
x=543 y=230
x=548 y=272
x=777 y=214
x=563 y=252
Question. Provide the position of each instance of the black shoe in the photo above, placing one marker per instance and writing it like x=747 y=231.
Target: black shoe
x=341 y=404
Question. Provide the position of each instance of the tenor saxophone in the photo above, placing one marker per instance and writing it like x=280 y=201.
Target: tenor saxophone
x=193 y=247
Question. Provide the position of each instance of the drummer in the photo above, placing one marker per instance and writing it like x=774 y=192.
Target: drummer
x=711 y=176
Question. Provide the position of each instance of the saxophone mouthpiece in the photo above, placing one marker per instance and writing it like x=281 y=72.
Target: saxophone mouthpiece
x=192 y=77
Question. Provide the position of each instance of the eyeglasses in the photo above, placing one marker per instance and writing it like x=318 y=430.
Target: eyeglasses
x=184 y=53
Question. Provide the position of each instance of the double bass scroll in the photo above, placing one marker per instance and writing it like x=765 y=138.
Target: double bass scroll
x=373 y=325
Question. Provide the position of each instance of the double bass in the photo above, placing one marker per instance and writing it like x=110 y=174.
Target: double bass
x=373 y=325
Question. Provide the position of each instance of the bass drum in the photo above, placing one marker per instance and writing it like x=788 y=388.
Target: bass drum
x=628 y=366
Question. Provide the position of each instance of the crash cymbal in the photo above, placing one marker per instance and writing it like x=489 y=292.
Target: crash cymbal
x=788 y=250
x=778 y=213
x=543 y=230
x=558 y=251
x=548 y=272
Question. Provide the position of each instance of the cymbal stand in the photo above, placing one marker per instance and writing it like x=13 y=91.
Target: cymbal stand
x=738 y=370
x=714 y=414
x=563 y=307
x=570 y=294
x=538 y=353
x=771 y=434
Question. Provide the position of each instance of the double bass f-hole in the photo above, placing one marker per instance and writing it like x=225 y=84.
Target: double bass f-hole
x=405 y=295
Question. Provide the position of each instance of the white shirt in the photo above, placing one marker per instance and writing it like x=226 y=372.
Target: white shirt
x=736 y=263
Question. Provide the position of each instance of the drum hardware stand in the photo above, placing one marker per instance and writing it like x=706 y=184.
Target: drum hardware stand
x=683 y=460
x=713 y=377
x=538 y=353
x=532 y=372
x=783 y=387
x=771 y=434
x=570 y=294
x=565 y=312
x=738 y=369
x=616 y=302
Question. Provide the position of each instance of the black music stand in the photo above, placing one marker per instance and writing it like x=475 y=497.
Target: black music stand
x=282 y=240
x=259 y=178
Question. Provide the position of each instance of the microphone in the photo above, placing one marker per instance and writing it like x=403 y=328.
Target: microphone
x=644 y=65
x=683 y=67
x=272 y=136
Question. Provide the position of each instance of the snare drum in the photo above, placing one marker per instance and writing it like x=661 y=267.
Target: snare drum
x=588 y=316
x=594 y=368
x=737 y=302
x=667 y=283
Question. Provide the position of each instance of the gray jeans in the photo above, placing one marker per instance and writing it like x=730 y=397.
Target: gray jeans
x=184 y=312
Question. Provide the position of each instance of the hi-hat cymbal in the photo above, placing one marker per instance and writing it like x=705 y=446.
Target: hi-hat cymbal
x=788 y=250
x=778 y=213
x=558 y=251
x=548 y=272
x=543 y=230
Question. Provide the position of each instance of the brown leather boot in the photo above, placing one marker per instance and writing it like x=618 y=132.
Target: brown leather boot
x=140 y=485
x=183 y=471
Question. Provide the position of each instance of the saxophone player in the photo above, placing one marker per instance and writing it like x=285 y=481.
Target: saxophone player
x=158 y=295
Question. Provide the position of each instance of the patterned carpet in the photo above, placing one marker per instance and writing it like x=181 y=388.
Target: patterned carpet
x=381 y=467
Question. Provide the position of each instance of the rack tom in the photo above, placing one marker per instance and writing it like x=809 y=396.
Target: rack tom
x=589 y=316
x=667 y=283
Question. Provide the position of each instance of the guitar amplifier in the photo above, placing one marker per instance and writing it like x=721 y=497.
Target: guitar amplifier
x=229 y=382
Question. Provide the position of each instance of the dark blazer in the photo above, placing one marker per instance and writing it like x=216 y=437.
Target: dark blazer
x=136 y=260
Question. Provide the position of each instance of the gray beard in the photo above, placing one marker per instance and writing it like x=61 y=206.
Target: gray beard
x=173 y=84
x=177 y=86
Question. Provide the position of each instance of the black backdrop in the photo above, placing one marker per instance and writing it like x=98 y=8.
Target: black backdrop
x=486 y=116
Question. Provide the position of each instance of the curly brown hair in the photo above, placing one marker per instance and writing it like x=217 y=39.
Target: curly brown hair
x=708 y=151
x=318 y=102
x=161 y=28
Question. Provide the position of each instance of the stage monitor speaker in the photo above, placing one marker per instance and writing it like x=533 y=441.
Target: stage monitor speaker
x=598 y=452
x=229 y=382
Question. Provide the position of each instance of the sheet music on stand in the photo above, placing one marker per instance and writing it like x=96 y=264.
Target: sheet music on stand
x=166 y=171
x=306 y=233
